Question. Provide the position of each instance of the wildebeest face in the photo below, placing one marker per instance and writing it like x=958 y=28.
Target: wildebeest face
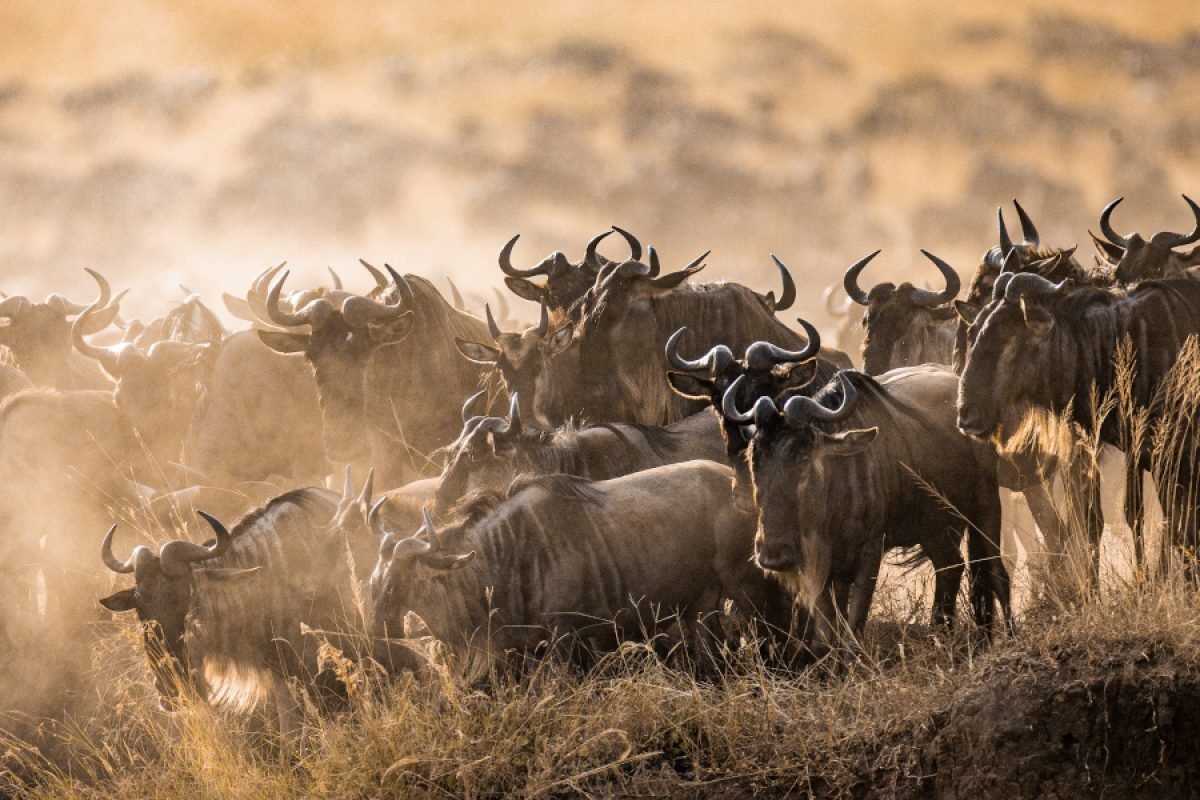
x=1001 y=378
x=895 y=326
x=484 y=457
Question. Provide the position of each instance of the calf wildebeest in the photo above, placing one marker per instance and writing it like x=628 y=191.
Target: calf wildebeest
x=492 y=451
x=1136 y=259
x=1034 y=329
x=225 y=620
x=905 y=325
x=563 y=557
x=39 y=337
x=864 y=466
x=384 y=369
x=611 y=369
x=565 y=282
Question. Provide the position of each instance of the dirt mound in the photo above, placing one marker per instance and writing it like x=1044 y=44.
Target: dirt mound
x=1121 y=720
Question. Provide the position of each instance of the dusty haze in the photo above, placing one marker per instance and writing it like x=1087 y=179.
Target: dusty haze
x=196 y=143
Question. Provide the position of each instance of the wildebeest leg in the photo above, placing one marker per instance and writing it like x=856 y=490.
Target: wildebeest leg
x=945 y=555
x=862 y=590
x=989 y=577
x=1041 y=506
x=1135 y=512
x=291 y=713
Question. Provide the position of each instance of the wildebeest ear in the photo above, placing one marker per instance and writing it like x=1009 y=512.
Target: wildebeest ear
x=477 y=352
x=561 y=339
x=1111 y=252
x=848 y=443
x=227 y=573
x=284 y=342
x=391 y=331
x=436 y=560
x=525 y=289
x=966 y=311
x=1037 y=319
x=124 y=600
x=690 y=386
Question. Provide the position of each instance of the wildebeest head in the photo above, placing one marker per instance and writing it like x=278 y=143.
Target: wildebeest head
x=1006 y=345
x=162 y=596
x=765 y=370
x=338 y=331
x=484 y=457
x=410 y=574
x=904 y=324
x=565 y=282
x=522 y=359
x=1136 y=259
x=797 y=466
x=39 y=334
x=158 y=387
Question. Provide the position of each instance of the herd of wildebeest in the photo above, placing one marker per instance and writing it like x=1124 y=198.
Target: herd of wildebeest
x=657 y=460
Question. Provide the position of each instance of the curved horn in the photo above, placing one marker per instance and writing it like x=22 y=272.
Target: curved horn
x=177 y=556
x=655 y=267
x=635 y=247
x=275 y=313
x=102 y=284
x=502 y=303
x=764 y=355
x=1106 y=225
x=406 y=291
x=1006 y=242
x=455 y=296
x=493 y=328
x=381 y=281
x=850 y=279
x=590 y=257
x=466 y=407
x=374 y=521
x=1029 y=233
x=1012 y=262
x=256 y=295
x=337 y=279
x=788 y=297
x=109 y=358
x=927 y=298
x=1030 y=284
x=506 y=262
x=543 y=326
x=1169 y=240
x=514 y=416
x=798 y=408
x=763 y=408
x=110 y=561
x=702 y=364
x=359 y=311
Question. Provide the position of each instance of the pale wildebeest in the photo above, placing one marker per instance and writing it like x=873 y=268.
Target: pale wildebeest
x=224 y=621
x=862 y=467
x=384 y=369
x=1135 y=259
x=492 y=451
x=905 y=325
x=39 y=337
x=562 y=559
x=847 y=320
x=1034 y=328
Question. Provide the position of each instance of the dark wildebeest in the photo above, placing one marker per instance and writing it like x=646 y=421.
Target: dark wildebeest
x=562 y=558
x=905 y=325
x=1136 y=259
x=492 y=451
x=39 y=337
x=766 y=370
x=384 y=369
x=612 y=367
x=565 y=282
x=865 y=466
x=1034 y=329
x=226 y=620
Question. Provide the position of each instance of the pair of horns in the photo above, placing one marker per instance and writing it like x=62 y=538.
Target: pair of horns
x=175 y=557
x=1165 y=239
x=922 y=297
x=798 y=410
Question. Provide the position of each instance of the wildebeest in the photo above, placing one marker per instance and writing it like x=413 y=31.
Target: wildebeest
x=1034 y=329
x=905 y=325
x=562 y=556
x=860 y=468
x=1136 y=259
x=565 y=282
x=611 y=369
x=847 y=319
x=765 y=370
x=225 y=620
x=39 y=337
x=384 y=369
x=492 y=451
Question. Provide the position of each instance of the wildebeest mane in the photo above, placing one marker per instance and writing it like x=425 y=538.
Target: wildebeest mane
x=569 y=487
